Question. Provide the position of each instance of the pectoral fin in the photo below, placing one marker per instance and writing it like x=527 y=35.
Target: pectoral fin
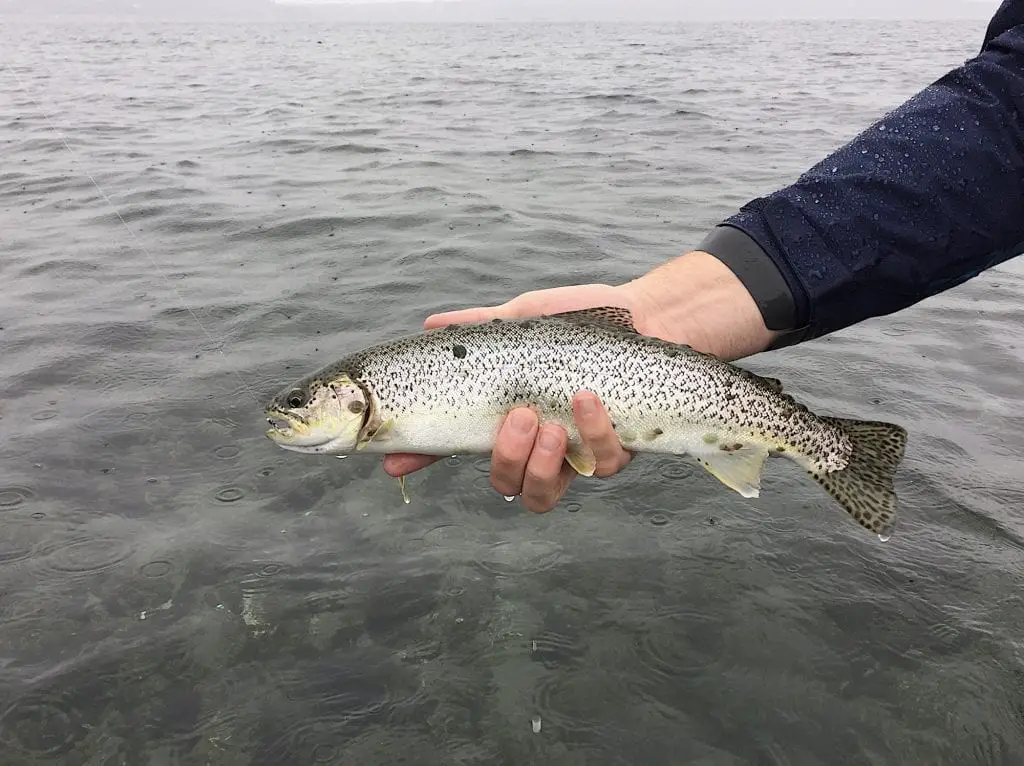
x=739 y=468
x=379 y=433
x=581 y=459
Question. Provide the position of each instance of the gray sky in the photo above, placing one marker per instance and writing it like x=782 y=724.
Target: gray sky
x=511 y=10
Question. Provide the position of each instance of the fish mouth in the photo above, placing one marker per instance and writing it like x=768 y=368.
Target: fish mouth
x=279 y=423
x=286 y=428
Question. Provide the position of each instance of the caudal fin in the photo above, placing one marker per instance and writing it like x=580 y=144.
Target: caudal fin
x=865 y=487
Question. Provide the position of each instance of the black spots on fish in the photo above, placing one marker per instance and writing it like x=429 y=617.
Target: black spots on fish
x=356 y=408
x=459 y=351
x=653 y=434
x=526 y=324
x=733 y=447
x=671 y=352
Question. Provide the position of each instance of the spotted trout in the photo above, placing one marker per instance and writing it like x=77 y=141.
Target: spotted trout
x=446 y=392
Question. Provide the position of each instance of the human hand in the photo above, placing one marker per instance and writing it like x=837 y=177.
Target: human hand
x=528 y=458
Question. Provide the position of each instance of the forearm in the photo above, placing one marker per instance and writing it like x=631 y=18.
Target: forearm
x=695 y=299
x=925 y=199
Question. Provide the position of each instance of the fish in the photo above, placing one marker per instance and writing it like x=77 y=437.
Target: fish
x=446 y=391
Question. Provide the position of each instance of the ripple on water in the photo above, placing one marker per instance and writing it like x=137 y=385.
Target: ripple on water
x=111 y=419
x=314 y=740
x=270 y=569
x=11 y=552
x=566 y=699
x=40 y=727
x=84 y=556
x=554 y=650
x=676 y=469
x=483 y=482
x=664 y=646
x=447 y=535
x=521 y=557
x=347 y=700
x=156 y=569
x=14 y=496
x=896 y=329
x=394 y=744
x=227 y=452
x=229 y=494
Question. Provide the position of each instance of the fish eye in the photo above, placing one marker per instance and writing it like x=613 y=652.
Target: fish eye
x=297 y=398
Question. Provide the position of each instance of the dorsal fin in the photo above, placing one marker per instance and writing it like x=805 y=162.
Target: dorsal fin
x=610 y=316
x=772 y=384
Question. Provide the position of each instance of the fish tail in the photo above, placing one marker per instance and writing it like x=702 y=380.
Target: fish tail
x=865 y=486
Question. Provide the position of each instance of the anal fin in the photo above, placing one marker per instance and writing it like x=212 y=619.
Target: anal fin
x=739 y=469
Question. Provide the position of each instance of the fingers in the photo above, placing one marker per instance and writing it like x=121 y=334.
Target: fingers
x=598 y=433
x=466 y=316
x=547 y=476
x=529 y=460
x=534 y=303
x=401 y=463
x=512 y=450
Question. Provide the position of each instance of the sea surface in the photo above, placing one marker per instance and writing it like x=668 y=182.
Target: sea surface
x=192 y=215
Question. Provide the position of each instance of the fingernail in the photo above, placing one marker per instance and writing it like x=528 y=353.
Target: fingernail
x=588 y=406
x=521 y=422
x=549 y=440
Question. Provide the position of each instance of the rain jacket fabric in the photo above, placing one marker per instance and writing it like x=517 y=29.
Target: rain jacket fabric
x=926 y=198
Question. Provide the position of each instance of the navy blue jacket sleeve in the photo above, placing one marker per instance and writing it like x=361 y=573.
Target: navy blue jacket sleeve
x=923 y=200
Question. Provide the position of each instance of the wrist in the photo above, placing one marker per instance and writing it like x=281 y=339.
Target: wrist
x=697 y=300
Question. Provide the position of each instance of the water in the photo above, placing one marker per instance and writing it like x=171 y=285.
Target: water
x=176 y=590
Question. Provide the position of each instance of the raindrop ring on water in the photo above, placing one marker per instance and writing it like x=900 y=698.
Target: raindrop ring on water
x=158 y=568
x=12 y=496
x=229 y=494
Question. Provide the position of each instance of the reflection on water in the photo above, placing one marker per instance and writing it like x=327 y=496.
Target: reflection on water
x=175 y=590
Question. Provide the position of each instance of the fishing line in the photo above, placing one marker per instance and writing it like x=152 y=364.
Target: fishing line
x=156 y=267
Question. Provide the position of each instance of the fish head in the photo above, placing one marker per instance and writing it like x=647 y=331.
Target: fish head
x=320 y=415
